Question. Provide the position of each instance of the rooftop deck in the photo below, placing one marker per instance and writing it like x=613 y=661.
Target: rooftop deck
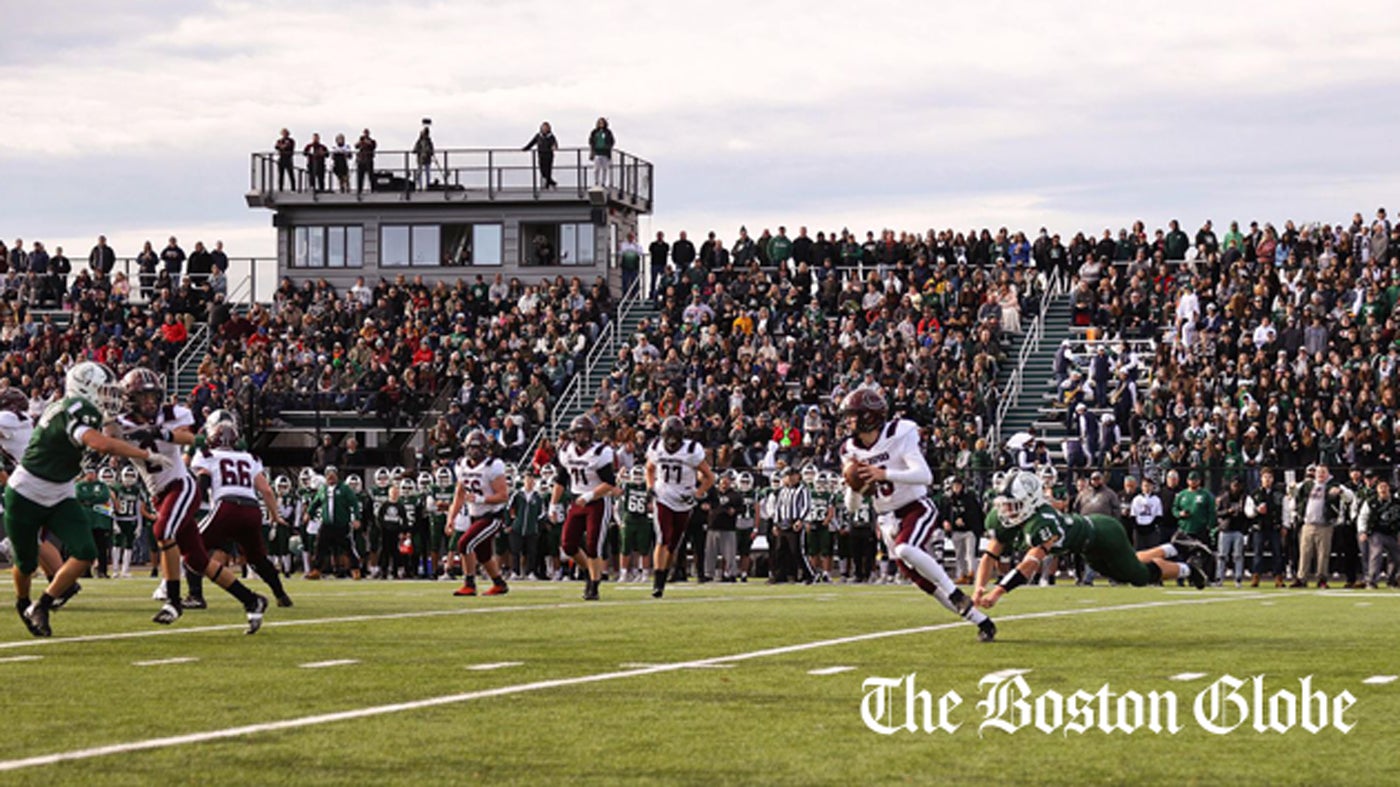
x=457 y=175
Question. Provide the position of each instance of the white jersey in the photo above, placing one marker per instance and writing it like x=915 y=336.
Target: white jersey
x=15 y=430
x=676 y=476
x=169 y=418
x=897 y=448
x=231 y=473
x=477 y=479
x=584 y=469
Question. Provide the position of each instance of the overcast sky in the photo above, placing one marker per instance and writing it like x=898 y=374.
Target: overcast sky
x=136 y=118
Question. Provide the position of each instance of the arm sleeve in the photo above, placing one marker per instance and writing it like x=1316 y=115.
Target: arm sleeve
x=918 y=471
x=608 y=473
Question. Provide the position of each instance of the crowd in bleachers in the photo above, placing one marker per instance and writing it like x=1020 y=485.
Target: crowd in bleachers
x=52 y=316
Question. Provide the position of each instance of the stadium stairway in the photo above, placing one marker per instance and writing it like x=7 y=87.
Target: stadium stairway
x=1040 y=376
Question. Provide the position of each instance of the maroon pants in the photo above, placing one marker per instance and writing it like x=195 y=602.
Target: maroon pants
x=176 y=506
x=670 y=526
x=480 y=537
x=238 y=524
x=583 y=528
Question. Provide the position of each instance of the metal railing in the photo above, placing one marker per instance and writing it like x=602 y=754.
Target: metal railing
x=1011 y=392
x=190 y=355
x=581 y=385
x=496 y=172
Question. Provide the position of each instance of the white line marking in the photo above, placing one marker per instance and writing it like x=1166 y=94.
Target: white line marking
x=332 y=663
x=163 y=662
x=13 y=659
x=162 y=632
x=829 y=670
x=1185 y=676
x=496 y=665
x=1003 y=674
x=452 y=699
x=1380 y=680
x=1266 y=603
x=645 y=665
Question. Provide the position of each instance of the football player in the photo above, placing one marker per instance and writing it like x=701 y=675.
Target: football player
x=479 y=503
x=587 y=468
x=1023 y=517
x=234 y=481
x=130 y=498
x=677 y=475
x=635 y=516
x=882 y=459
x=16 y=427
x=40 y=492
x=279 y=537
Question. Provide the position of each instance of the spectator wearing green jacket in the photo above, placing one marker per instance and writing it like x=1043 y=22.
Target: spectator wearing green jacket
x=525 y=509
x=779 y=248
x=1194 y=509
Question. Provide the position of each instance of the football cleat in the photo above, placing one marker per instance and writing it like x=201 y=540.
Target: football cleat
x=169 y=613
x=590 y=591
x=986 y=631
x=284 y=600
x=1198 y=572
x=36 y=619
x=68 y=595
x=465 y=590
x=159 y=594
x=255 y=614
x=496 y=590
x=194 y=602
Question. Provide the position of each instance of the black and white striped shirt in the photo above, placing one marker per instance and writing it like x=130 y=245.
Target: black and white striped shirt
x=794 y=503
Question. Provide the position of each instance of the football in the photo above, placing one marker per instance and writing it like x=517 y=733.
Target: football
x=852 y=475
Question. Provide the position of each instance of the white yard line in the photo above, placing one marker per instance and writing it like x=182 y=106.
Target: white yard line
x=645 y=665
x=496 y=665
x=13 y=659
x=1380 y=680
x=1185 y=676
x=829 y=670
x=331 y=663
x=522 y=688
x=1003 y=674
x=163 y=662
x=483 y=610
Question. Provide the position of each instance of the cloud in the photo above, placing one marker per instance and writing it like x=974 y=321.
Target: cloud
x=142 y=114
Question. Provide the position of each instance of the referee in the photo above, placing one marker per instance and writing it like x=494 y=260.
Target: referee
x=792 y=508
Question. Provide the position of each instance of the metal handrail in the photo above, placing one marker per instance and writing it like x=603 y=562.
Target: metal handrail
x=1011 y=393
x=580 y=385
x=494 y=171
x=196 y=346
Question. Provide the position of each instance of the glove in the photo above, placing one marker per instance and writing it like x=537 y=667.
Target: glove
x=688 y=500
x=556 y=512
x=158 y=461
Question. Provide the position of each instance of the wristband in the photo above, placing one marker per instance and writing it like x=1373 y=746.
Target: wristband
x=586 y=497
x=1011 y=581
x=199 y=440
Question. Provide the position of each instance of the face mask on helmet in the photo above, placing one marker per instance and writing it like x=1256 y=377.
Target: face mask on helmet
x=672 y=434
x=145 y=391
x=383 y=477
x=425 y=480
x=443 y=477
x=282 y=486
x=744 y=482
x=97 y=385
x=107 y=476
x=354 y=482
x=809 y=475
x=129 y=476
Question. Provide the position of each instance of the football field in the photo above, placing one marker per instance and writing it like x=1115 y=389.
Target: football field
x=384 y=682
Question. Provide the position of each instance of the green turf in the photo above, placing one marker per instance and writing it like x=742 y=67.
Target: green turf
x=760 y=720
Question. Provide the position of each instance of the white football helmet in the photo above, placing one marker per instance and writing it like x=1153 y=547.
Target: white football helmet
x=306 y=479
x=442 y=476
x=129 y=476
x=425 y=480
x=407 y=487
x=744 y=483
x=810 y=474
x=107 y=476
x=1020 y=497
x=547 y=474
x=96 y=384
x=282 y=486
x=383 y=477
x=353 y=481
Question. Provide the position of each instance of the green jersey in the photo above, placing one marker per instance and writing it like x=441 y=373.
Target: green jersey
x=636 y=505
x=439 y=502
x=866 y=516
x=55 y=450
x=128 y=499
x=1072 y=532
x=822 y=503
x=746 y=513
x=96 y=497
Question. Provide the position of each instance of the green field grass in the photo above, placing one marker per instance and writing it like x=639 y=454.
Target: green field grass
x=593 y=692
